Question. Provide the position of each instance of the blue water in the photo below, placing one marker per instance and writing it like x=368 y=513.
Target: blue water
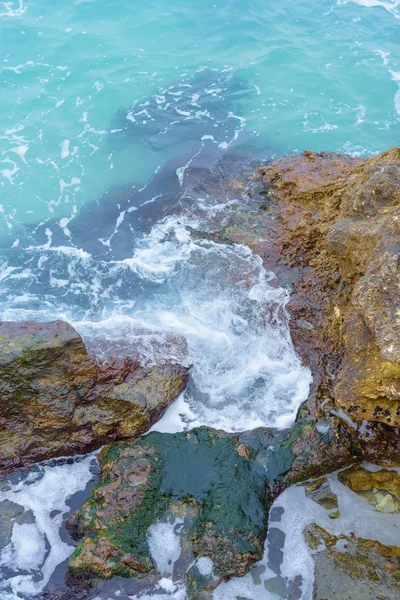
x=319 y=75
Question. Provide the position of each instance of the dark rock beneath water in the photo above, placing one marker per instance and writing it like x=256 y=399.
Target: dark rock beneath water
x=185 y=114
x=351 y=568
x=56 y=400
x=319 y=490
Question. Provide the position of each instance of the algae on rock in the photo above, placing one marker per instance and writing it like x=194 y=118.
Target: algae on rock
x=230 y=480
x=205 y=469
x=351 y=568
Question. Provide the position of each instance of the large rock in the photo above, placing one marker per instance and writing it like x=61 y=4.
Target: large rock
x=209 y=470
x=228 y=481
x=56 y=400
x=354 y=264
x=329 y=225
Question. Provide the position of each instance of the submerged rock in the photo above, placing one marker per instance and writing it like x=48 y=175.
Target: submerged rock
x=56 y=400
x=351 y=568
x=182 y=114
x=319 y=490
x=381 y=488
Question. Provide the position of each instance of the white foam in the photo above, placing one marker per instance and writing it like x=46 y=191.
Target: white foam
x=245 y=372
x=176 y=592
x=396 y=77
x=165 y=549
x=8 y=173
x=65 y=149
x=391 y=5
x=383 y=55
x=323 y=128
x=27 y=547
x=21 y=151
x=167 y=585
x=205 y=565
x=217 y=297
x=354 y=150
x=43 y=491
x=165 y=546
x=13 y=9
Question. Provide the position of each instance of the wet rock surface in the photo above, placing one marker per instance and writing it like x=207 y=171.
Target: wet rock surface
x=341 y=226
x=320 y=491
x=380 y=488
x=206 y=469
x=351 y=568
x=329 y=226
x=230 y=480
x=56 y=400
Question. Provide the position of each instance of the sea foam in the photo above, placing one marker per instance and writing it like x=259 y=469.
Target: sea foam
x=36 y=548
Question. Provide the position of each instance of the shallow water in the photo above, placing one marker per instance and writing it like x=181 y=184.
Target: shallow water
x=113 y=117
x=40 y=499
x=36 y=503
x=314 y=75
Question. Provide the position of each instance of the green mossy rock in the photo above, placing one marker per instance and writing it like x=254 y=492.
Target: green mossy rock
x=229 y=480
x=206 y=469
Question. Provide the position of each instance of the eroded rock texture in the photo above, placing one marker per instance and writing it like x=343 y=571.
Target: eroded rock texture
x=351 y=568
x=380 y=488
x=56 y=400
x=340 y=223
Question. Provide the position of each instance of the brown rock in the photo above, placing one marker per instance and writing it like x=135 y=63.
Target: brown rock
x=368 y=385
x=338 y=221
x=352 y=568
x=380 y=488
x=56 y=400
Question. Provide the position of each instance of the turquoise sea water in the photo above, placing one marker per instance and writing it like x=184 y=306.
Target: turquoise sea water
x=319 y=75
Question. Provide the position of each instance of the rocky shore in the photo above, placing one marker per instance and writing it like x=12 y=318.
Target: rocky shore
x=329 y=227
x=57 y=400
